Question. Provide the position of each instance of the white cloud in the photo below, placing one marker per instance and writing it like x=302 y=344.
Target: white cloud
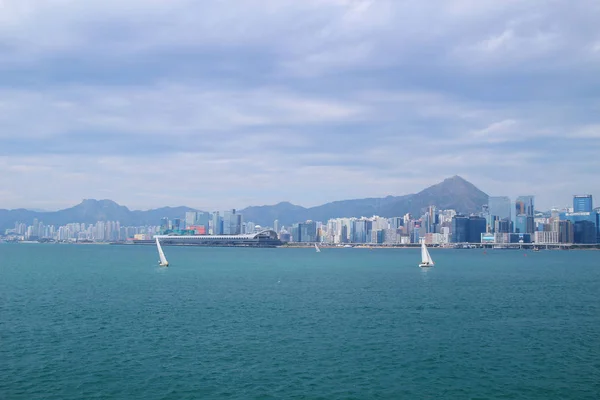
x=586 y=132
x=163 y=109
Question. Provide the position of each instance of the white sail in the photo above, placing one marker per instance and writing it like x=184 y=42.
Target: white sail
x=161 y=254
x=426 y=259
x=317 y=248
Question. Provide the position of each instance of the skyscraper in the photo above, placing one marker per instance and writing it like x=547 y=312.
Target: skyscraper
x=190 y=218
x=582 y=203
x=232 y=223
x=308 y=231
x=499 y=207
x=524 y=205
x=524 y=211
x=203 y=220
x=460 y=229
x=499 y=214
x=164 y=224
x=584 y=232
x=217 y=224
x=476 y=228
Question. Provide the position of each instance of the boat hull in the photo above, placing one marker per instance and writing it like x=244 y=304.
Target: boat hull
x=425 y=265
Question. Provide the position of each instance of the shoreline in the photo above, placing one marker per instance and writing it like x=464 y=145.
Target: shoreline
x=526 y=247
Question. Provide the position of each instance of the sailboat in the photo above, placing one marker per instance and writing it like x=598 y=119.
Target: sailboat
x=317 y=248
x=163 y=260
x=426 y=260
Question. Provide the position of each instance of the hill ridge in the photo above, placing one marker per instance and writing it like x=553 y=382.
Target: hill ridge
x=452 y=193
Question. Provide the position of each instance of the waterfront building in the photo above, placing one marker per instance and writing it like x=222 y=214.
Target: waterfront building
x=395 y=222
x=377 y=236
x=524 y=224
x=232 y=222
x=249 y=227
x=503 y=226
x=392 y=236
x=267 y=238
x=308 y=232
x=190 y=218
x=445 y=217
x=217 y=223
x=565 y=232
x=361 y=231
x=498 y=210
x=344 y=234
x=584 y=232
x=285 y=237
x=164 y=224
x=476 y=226
x=583 y=203
x=591 y=217
x=415 y=236
x=524 y=215
x=203 y=219
x=295 y=233
x=436 y=238
x=525 y=205
x=545 y=237
x=460 y=229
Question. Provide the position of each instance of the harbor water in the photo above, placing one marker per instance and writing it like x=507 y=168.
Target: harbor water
x=105 y=322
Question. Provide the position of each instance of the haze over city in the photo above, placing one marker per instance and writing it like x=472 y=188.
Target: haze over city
x=227 y=104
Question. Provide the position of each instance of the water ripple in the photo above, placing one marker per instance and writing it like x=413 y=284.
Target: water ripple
x=340 y=325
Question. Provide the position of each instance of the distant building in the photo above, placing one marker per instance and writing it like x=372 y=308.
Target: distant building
x=477 y=226
x=503 y=226
x=232 y=223
x=584 y=232
x=396 y=222
x=525 y=205
x=190 y=218
x=565 y=232
x=377 y=236
x=591 y=217
x=203 y=219
x=498 y=210
x=217 y=224
x=460 y=229
x=524 y=224
x=308 y=232
x=265 y=238
x=545 y=237
x=164 y=224
x=295 y=233
x=582 y=203
x=361 y=231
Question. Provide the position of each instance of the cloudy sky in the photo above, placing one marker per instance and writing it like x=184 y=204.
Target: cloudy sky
x=230 y=103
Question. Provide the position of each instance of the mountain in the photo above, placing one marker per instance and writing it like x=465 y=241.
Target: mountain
x=453 y=193
x=265 y=215
x=90 y=211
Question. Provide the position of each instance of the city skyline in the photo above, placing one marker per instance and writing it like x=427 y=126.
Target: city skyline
x=308 y=102
x=578 y=225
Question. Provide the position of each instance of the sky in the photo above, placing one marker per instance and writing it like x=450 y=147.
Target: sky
x=231 y=103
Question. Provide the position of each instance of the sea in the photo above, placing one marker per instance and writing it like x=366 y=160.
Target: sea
x=105 y=322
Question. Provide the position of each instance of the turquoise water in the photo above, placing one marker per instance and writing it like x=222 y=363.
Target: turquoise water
x=104 y=322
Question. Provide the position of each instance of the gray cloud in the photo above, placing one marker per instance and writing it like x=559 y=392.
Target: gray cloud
x=235 y=103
